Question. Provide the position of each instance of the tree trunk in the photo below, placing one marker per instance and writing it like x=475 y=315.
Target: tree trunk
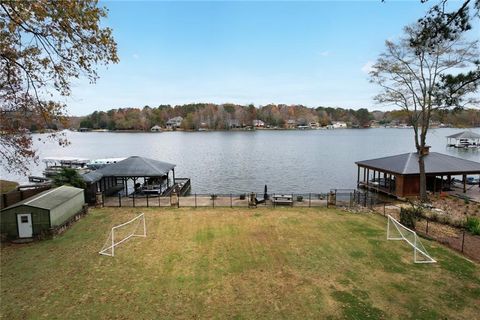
x=423 y=178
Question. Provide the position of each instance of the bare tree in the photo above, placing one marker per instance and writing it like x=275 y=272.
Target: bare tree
x=426 y=75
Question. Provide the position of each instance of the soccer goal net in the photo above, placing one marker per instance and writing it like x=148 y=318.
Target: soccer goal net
x=397 y=231
x=121 y=233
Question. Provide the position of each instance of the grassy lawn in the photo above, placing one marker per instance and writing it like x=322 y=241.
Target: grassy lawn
x=238 y=264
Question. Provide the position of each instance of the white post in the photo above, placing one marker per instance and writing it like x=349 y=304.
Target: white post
x=415 y=249
x=388 y=228
x=144 y=226
x=113 y=242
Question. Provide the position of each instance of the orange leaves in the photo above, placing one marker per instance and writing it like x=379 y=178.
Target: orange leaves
x=44 y=45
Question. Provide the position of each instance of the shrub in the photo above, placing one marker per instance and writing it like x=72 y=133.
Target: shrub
x=433 y=217
x=69 y=177
x=458 y=223
x=473 y=225
x=409 y=216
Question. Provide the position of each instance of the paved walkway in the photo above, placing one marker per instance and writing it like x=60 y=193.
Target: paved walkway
x=473 y=192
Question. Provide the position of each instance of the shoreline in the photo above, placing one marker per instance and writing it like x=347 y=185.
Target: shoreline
x=245 y=129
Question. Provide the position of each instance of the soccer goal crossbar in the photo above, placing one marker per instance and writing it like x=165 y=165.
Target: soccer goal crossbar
x=122 y=232
x=397 y=231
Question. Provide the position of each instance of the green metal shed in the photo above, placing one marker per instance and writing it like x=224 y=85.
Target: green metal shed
x=39 y=214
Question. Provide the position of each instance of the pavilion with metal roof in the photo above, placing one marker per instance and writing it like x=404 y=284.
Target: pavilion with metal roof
x=399 y=175
x=113 y=178
x=464 y=139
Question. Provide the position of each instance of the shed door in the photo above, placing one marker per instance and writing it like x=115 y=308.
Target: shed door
x=24 y=221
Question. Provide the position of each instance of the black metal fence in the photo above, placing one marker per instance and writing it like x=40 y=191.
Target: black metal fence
x=219 y=200
x=334 y=198
x=455 y=237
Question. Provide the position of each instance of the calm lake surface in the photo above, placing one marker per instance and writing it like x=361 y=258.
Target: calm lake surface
x=290 y=161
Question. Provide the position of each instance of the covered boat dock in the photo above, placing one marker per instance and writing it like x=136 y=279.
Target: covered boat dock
x=399 y=175
x=464 y=139
x=146 y=176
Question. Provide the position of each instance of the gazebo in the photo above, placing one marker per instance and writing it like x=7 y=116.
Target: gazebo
x=148 y=175
x=399 y=175
x=464 y=139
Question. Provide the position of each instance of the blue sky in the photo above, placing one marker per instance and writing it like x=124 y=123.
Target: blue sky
x=312 y=53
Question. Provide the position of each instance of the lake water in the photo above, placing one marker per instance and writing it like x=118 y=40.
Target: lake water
x=243 y=161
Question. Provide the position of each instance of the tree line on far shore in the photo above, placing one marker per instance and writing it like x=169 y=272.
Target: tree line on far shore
x=229 y=116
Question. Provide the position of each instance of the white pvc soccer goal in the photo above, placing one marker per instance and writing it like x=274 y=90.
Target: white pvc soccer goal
x=397 y=231
x=121 y=233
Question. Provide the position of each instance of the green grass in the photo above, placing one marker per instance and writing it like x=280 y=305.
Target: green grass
x=473 y=225
x=235 y=263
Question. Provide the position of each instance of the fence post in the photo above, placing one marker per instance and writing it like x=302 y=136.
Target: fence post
x=384 y=204
x=274 y=202
x=351 y=200
x=426 y=230
x=309 y=199
x=231 y=201
x=195 y=201
x=134 y=199
x=213 y=200
x=178 y=200
x=328 y=198
x=119 y=200
x=335 y=197
x=103 y=199
x=463 y=239
x=147 y=201
x=159 y=197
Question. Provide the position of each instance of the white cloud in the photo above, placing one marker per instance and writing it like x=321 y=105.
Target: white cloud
x=325 y=53
x=367 y=67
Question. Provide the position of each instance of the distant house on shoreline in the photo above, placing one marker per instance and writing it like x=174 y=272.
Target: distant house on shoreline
x=314 y=125
x=339 y=125
x=258 y=123
x=234 y=123
x=174 y=123
x=291 y=124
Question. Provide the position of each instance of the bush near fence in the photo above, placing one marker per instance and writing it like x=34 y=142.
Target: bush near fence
x=455 y=237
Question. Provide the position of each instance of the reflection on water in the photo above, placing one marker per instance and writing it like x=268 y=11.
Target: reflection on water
x=224 y=162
